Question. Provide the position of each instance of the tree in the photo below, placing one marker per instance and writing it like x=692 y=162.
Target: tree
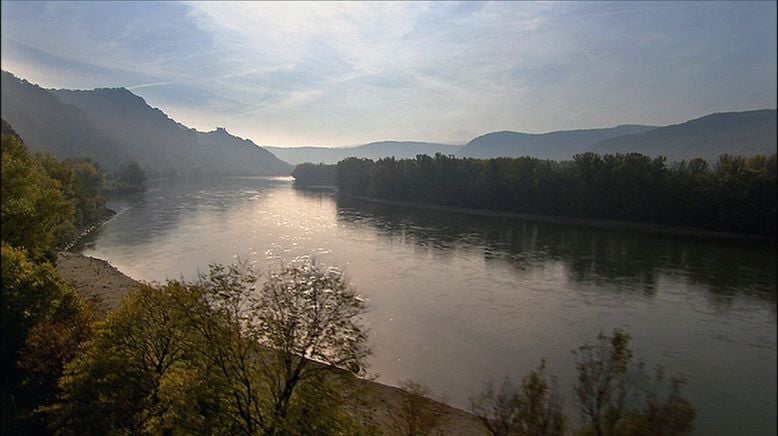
x=140 y=373
x=88 y=188
x=308 y=174
x=131 y=176
x=533 y=409
x=43 y=323
x=309 y=320
x=35 y=213
x=614 y=397
x=220 y=356
x=602 y=386
x=612 y=400
x=416 y=416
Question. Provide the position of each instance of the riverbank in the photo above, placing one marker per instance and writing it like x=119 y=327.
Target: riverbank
x=107 y=215
x=659 y=229
x=98 y=280
x=95 y=280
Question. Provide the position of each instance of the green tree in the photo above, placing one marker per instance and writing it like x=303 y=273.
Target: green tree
x=43 y=323
x=140 y=373
x=220 y=356
x=308 y=174
x=35 y=213
x=131 y=176
x=88 y=181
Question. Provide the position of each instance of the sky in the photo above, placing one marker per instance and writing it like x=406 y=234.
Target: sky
x=338 y=74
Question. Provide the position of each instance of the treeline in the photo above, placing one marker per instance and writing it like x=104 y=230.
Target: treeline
x=47 y=202
x=736 y=194
x=308 y=174
x=44 y=203
x=129 y=178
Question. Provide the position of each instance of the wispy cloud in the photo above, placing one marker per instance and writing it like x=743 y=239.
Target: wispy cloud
x=348 y=72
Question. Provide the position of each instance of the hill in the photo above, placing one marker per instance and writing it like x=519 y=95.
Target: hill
x=740 y=133
x=373 y=150
x=8 y=130
x=156 y=141
x=113 y=125
x=48 y=124
x=560 y=145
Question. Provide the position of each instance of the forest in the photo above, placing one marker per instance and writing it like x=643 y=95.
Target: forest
x=308 y=174
x=736 y=194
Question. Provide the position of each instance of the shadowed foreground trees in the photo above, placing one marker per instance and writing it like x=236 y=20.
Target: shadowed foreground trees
x=44 y=203
x=224 y=355
x=534 y=408
x=614 y=396
x=43 y=323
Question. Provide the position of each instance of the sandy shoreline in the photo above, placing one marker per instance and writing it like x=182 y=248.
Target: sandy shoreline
x=98 y=280
x=553 y=219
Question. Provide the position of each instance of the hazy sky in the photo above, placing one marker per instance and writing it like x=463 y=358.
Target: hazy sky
x=350 y=73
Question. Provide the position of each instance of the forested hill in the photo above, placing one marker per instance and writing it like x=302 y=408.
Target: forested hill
x=560 y=145
x=739 y=133
x=114 y=125
x=46 y=123
x=157 y=141
x=373 y=150
x=8 y=130
x=239 y=156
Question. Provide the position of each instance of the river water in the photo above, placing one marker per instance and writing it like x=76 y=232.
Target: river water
x=456 y=300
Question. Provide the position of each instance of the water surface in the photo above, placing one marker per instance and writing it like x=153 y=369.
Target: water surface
x=456 y=300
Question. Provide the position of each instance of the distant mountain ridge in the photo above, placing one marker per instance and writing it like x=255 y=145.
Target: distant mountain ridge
x=739 y=133
x=113 y=125
x=558 y=145
x=373 y=150
x=46 y=123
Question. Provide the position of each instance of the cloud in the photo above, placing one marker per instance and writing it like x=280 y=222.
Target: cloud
x=338 y=73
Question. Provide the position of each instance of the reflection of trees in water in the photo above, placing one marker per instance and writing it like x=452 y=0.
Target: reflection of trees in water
x=730 y=269
x=592 y=256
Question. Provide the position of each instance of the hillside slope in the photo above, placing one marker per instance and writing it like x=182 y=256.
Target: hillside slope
x=560 y=145
x=113 y=126
x=373 y=150
x=156 y=141
x=48 y=124
x=741 y=133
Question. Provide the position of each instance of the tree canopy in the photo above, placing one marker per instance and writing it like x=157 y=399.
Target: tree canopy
x=35 y=213
x=736 y=195
x=216 y=357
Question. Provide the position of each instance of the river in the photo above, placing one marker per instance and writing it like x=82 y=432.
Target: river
x=456 y=300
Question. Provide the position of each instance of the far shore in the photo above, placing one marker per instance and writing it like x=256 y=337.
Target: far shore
x=99 y=281
x=551 y=219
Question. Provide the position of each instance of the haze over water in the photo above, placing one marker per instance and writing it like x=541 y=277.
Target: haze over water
x=456 y=300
